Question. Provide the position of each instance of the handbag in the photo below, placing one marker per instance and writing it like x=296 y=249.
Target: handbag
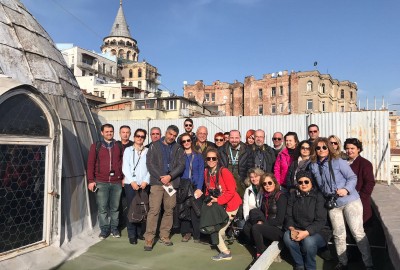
x=139 y=207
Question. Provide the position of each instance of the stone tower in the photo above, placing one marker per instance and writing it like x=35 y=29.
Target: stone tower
x=120 y=42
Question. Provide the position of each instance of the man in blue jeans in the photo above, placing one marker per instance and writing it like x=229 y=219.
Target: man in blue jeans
x=104 y=173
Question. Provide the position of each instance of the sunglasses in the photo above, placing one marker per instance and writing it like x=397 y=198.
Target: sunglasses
x=305 y=148
x=219 y=140
x=312 y=131
x=139 y=136
x=319 y=148
x=211 y=158
x=268 y=183
x=277 y=139
x=333 y=143
x=185 y=141
x=305 y=182
x=188 y=125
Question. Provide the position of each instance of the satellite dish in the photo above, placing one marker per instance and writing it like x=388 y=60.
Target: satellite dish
x=273 y=75
x=280 y=73
x=184 y=82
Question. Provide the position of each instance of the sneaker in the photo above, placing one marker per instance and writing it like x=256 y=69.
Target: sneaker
x=148 y=245
x=115 y=234
x=341 y=266
x=222 y=256
x=187 y=237
x=166 y=241
x=104 y=235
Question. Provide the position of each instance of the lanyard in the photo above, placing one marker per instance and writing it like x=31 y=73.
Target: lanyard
x=190 y=164
x=236 y=158
x=139 y=154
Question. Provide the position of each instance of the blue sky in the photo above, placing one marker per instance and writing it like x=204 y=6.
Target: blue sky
x=226 y=40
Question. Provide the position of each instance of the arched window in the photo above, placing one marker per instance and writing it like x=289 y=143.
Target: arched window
x=121 y=43
x=309 y=86
x=139 y=72
x=341 y=93
x=134 y=57
x=128 y=55
x=113 y=52
x=27 y=166
x=323 y=88
x=351 y=95
x=121 y=53
x=130 y=73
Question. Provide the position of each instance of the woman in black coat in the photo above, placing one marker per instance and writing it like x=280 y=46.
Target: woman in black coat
x=305 y=219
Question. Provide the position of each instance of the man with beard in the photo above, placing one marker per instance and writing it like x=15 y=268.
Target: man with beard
x=188 y=126
x=264 y=155
x=238 y=158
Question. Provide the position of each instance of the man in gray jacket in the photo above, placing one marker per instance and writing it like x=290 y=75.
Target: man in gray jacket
x=166 y=163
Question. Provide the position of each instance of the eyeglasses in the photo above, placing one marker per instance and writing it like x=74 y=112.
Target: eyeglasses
x=185 y=141
x=305 y=148
x=277 y=139
x=305 y=182
x=219 y=140
x=152 y=134
x=139 y=136
x=333 y=143
x=188 y=125
x=211 y=158
x=268 y=183
x=312 y=131
x=319 y=148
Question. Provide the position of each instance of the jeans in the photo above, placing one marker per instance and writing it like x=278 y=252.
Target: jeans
x=135 y=230
x=158 y=196
x=107 y=197
x=352 y=212
x=305 y=251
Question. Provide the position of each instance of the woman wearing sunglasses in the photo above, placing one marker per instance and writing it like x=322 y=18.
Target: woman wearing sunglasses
x=305 y=219
x=301 y=162
x=338 y=182
x=219 y=139
x=220 y=185
x=194 y=173
x=364 y=171
x=268 y=220
x=137 y=177
x=337 y=145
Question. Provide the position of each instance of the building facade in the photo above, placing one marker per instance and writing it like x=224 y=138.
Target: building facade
x=279 y=93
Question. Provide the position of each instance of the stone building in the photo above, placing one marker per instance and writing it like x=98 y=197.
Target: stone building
x=120 y=43
x=277 y=94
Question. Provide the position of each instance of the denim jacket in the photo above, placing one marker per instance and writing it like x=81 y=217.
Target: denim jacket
x=344 y=178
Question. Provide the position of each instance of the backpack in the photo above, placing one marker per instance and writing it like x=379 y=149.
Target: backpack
x=139 y=207
x=98 y=146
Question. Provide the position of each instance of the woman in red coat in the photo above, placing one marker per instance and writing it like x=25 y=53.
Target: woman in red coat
x=364 y=171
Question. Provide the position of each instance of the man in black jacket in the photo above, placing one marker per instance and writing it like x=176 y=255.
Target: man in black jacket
x=238 y=158
x=264 y=155
x=166 y=163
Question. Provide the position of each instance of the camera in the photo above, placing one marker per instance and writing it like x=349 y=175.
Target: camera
x=214 y=192
x=331 y=202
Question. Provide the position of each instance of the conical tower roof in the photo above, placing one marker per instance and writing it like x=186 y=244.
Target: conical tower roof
x=120 y=27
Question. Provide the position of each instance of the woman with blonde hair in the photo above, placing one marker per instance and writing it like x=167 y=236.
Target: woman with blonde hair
x=337 y=146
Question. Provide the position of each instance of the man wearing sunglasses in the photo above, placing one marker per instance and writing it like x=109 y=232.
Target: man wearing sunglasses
x=264 y=155
x=188 y=126
x=313 y=133
x=166 y=163
x=277 y=140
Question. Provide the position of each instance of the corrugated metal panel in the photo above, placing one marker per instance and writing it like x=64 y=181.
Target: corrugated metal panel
x=371 y=127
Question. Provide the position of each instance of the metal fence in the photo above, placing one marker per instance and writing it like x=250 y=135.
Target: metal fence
x=371 y=127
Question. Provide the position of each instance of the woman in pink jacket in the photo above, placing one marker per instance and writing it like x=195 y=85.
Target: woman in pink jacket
x=285 y=158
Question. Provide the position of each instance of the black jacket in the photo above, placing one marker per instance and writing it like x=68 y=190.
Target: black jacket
x=155 y=163
x=306 y=211
x=212 y=219
x=267 y=156
x=246 y=158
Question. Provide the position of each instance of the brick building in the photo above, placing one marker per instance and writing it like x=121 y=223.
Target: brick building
x=276 y=93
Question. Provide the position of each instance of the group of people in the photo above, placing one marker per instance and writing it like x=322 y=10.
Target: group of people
x=291 y=191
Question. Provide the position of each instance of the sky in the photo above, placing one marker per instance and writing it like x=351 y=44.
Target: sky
x=227 y=40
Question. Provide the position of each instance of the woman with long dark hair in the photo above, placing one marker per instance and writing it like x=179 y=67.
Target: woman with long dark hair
x=285 y=158
x=301 y=162
x=220 y=186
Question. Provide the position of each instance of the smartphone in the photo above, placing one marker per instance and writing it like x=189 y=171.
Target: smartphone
x=95 y=189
